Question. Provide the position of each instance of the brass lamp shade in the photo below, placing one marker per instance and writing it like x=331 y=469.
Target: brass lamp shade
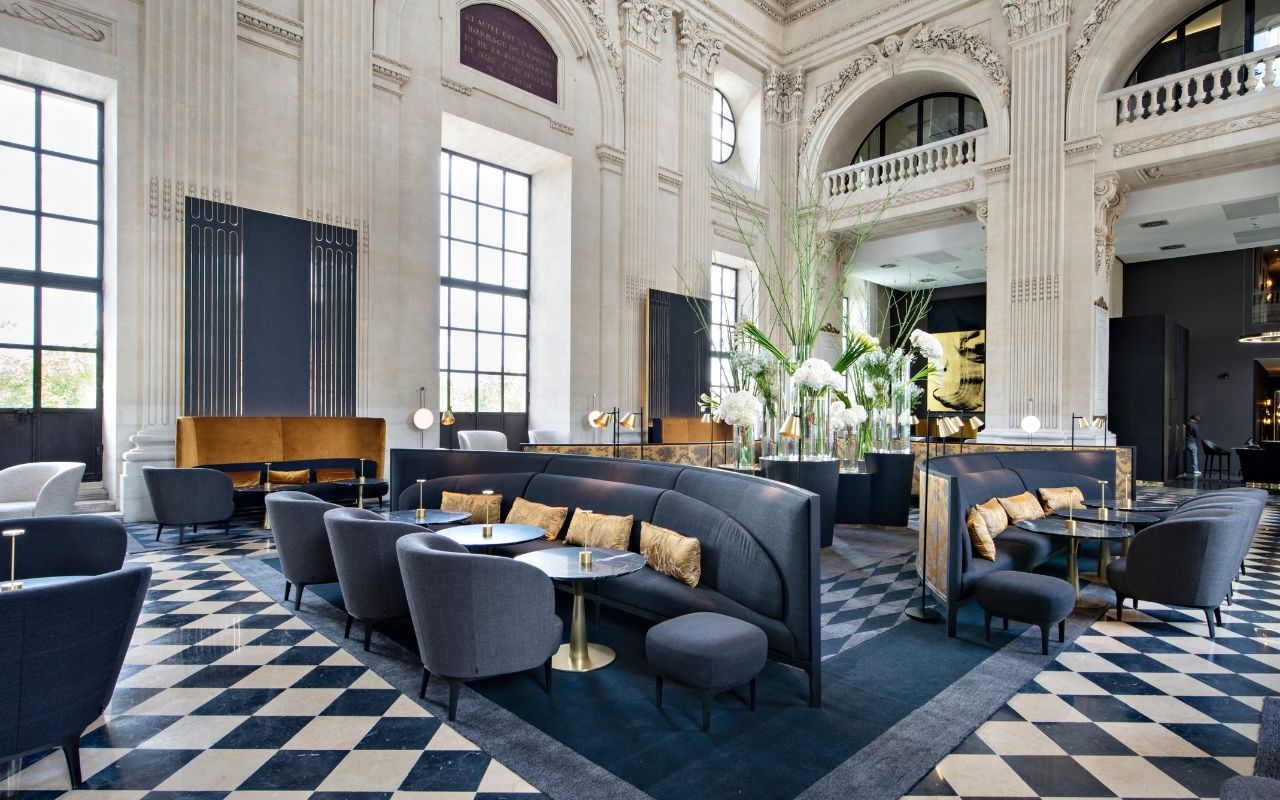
x=707 y=418
x=1091 y=422
x=630 y=421
x=949 y=426
x=602 y=419
x=791 y=427
x=976 y=423
x=446 y=418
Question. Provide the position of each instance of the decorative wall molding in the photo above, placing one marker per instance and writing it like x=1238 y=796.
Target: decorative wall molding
x=1109 y=196
x=907 y=198
x=1088 y=29
x=267 y=22
x=980 y=211
x=1101 y=303
x=59 y=17
x=699 y=48
x=1087 y=144
x=644 y=22
x=783 y=95
x=1038 y=287
x=393 y=72
x=893 y=50
x=611 y=158
x=460 y=88
x=729 y=233
x=901 y=8
x=1029 y=17
x=1196 y=133
x=670 y=178
x=561 y=127
x=601 y=27
x=997 y=167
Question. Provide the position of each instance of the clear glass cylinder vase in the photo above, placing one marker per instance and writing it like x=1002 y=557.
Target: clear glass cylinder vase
x=744 y=447
x=849 y=450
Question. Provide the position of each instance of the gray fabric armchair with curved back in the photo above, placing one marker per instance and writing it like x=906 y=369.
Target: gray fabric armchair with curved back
x=1188 y=560
x=1264 y=783
x=364 y=552
x=85 y=544
x=297 y=525
x=61 y=648
x=189 y=496
x=476 y=616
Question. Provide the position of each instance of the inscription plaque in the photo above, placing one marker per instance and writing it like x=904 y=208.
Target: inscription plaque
x=501 y=43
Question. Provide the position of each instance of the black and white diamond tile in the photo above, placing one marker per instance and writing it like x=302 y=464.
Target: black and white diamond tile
x=864 y=602
x=1147 y=707
x=225 y=694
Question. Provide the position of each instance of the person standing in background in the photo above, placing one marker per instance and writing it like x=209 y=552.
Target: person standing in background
x=1193 y=444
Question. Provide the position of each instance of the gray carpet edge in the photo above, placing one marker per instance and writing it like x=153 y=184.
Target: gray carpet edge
x=549 y=766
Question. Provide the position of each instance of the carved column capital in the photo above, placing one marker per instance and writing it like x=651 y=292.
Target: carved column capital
x=1109 y=196
x=699 y=48
x=1027 y=17
x=783 y=96
x=644 y=23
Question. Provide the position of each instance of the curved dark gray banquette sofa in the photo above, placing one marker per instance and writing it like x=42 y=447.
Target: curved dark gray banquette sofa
x=759 y=538
x=959 y=482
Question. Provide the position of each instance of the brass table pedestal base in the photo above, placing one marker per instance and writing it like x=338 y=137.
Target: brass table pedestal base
x=597 y=656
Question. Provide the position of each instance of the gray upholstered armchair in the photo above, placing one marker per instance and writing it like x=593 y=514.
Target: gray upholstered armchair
x=364 y=552
x=189 y=496
x=482 y=440
x=476 y=616
x=297 y=525
x=1188 y=560
x=61 y=647
x=40 y=489
x=1264 y=784
x=86 y=544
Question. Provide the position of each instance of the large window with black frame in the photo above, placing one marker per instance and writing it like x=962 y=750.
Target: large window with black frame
x=484 y=288
x=50 y=277
x=724 y=318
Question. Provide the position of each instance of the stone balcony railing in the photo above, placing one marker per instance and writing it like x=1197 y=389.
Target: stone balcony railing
x=929 y=159
x=1186 y=92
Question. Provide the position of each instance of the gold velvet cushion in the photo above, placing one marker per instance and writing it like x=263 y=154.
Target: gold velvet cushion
x=986 y=521
x=1060 y=498
x=589 y=529
x=1022 y=506
x=324 y=474
x=484 y=508
x=549 y=518
x=289 y=476
x=671 y=554
x=245 y=479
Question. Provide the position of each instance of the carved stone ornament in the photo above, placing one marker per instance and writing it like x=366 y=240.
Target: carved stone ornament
x=49 y=16
x=1027 y=17
x=980 y=211
x=700 y=49
x=893 y=51
x=783 y=95
x=601 y=27
x=643 y=23
x=1109 y=195
x=1088 y=29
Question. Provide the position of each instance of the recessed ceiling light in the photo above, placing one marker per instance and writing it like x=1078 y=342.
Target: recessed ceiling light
x=1172 y=246
x=1266 y=337
x=928 y=280
x=888 y=266
x=1155 y=223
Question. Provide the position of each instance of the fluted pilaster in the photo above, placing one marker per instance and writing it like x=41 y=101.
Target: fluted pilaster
x=699 y=52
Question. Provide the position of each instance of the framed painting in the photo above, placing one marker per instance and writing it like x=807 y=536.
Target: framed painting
x=962 y=387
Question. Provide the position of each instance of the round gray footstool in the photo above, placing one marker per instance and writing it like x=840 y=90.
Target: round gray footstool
x=708 y=652
x=1027 y=597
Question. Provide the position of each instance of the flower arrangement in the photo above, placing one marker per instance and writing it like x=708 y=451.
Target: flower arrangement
x=846 y=421
x=739 y=408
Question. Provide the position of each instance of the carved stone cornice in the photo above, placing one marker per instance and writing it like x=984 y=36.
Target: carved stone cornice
x=58 y=17
x=394 y=72
x=894 y=50
x=274 y=25
x=460 y=88
x=699 y=48
x=907 y=198
x=611 y=158
x=1196 y=133
x=605 y=34
x=1088 y=29
x=670 y=179
x=1029 y=17
x=783 y=95
x=1109 y=195
x=561 y=127
x=643 y=23
x=1086 y=144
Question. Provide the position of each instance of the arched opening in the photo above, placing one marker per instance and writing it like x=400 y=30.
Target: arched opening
x=924 y=120
x=1221 y=30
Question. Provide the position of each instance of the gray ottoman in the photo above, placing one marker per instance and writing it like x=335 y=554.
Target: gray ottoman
x=708 y=652
x=1027 y=597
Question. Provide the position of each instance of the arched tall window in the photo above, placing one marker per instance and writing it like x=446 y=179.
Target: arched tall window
x=931 y=118
x=1219 y=31
x=724 y=131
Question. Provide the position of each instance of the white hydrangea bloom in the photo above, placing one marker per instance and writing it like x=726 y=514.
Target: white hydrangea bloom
x=927 y=345
x=847 y=420
x=816 y=374
x=739 y=408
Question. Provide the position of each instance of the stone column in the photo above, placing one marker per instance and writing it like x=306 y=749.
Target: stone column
x=189 y=148
x=783 y=111
x=643 y=27
x=699 y=52
x=1027 y=242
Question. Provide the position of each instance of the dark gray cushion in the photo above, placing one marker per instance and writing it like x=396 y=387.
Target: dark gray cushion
x=1026 y=596
x=979 y=487
x=981 y=567
x=1028 y=548
x=1249 y=787
x=1037 y=479
x=508 y=484
x=640 y=473
x=706 y=651
x=84 y=544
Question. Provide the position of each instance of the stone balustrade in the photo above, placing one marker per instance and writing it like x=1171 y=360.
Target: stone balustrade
x=1192 y=89
x=925 y=160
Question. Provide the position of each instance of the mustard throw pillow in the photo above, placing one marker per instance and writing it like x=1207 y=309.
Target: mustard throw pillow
x=549 y=518
x=980 y=537
x=1022 y=506
x=993 y=515
x=589 y=529
x=245 y=479
x=1061 y=498
x=289 y=476
x=484 y=508
x=324 y=474
x=668 y=552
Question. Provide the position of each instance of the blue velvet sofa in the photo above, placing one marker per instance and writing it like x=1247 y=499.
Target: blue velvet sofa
x=955 y=483
x=759 y=538
x=253 y=499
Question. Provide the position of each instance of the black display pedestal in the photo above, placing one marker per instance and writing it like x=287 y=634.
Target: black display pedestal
x=890 y=488
x=822 y=477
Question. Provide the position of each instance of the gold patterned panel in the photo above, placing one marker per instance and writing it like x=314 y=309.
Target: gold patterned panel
x=935 y=537
x=1124 y=459
x=705 y=454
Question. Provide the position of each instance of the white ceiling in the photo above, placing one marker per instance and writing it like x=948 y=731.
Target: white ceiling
x=952 y=255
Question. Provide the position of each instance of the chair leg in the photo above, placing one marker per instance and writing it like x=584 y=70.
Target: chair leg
x=753 y=694
x=986 y=624
x=368 y=635
x=658 y=686
x=546 y=676
x=1044 y=639
x=422 y=690
x=1006 y=623
x=1062 y=631
x=705 y=694
x=195 y=527
x=159 y=530
x=1217 y=615
x=297 y=603
x=182 y=533
x=1208 y=619
x=287 y=588
x=347 y=635
x=455 y=687
x=1119 y=607
x=71 y=749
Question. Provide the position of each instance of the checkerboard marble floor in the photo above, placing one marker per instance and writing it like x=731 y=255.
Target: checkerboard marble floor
x=225 y=694
x=1147 y=707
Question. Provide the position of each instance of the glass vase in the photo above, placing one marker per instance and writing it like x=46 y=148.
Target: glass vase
x=745 y=448
x=849 y=450
x=817 y=426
